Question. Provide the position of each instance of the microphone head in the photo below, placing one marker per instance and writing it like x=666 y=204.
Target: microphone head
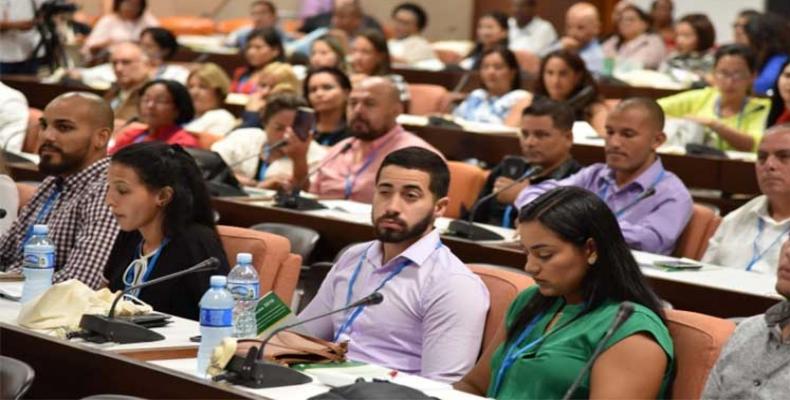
x=375 y=298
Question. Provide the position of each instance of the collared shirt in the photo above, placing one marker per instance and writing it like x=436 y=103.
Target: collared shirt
x=430 y=322
x=173 y=134
x=733 y=244
x=703 y=103
x=533 y=37
x=80 y=225
x=218 y=121
x=645 y=51
x=480 y=106
x=331 y=180
x=652 y=224
x=755 y=363
x=16 y=45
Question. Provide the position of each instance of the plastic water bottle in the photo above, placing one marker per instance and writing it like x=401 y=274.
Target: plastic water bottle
x=39 y=263
x=244 y=285
x=216 y=320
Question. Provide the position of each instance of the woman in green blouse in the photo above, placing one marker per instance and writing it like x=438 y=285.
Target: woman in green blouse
x=583 y=270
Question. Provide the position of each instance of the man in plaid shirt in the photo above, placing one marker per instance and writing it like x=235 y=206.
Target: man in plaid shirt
x=75 y=129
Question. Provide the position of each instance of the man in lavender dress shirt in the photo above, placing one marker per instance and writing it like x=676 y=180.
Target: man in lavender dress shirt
x=432 y=317
x=651 y=203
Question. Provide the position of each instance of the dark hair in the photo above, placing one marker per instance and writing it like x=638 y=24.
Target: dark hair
x=582 y=109
x=279 y=102
x=650 y=106
x=737 y=50
x=337 y=48
x=777 y=102
x=576 y=216
x=561 y=115
x=116 y=5
x=160 y=165
x=423 y=160
x=419 y=13
x=510 y=60
x=272 y=39
x=748 y=13
x=768 y=35
x=379 y=43
x=265 y=3
x=182 y=101
x=165 y=39
x=703 y=28
x=645 y=17
x=501 y=19
x=340 y=77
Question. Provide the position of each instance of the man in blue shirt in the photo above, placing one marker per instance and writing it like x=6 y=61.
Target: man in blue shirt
x=582 y=26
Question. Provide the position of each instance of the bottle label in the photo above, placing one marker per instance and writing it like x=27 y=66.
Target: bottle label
x=244 y=291
x=214 y=317
x=43 y=260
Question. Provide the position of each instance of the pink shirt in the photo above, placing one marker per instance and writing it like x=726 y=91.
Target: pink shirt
x=115 y=29
x=341 y=172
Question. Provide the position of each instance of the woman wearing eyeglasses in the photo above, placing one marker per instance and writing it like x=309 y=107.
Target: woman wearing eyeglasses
x=733 y=119
x=160 y=201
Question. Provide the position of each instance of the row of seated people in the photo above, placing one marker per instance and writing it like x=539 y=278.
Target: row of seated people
x=147 y=204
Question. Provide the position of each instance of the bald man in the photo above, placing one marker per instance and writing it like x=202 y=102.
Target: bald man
x=347 y=15
x=582 y=27
x=75 y=129
x=132 y=70
x=373 y=106
x=651 y=204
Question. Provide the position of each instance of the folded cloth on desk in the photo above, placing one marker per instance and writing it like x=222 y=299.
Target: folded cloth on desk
x=58 y=310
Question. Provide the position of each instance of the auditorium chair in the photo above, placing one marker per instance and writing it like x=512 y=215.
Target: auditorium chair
x=698 y=339
x=188 y=25
x=278 y=269
x=229 y=25
x=448 y=56
x=694 y=239
x=466 y=181
x=426 y=99
x=504 y=284
x=16 y=377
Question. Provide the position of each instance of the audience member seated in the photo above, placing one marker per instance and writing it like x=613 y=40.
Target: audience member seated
x=583 y=271
x=328 y=51
x=691 y=61
x=526 y=30
x=346 y=15
x=165 y=106
x=13 y=118
x=125 y=24
x=350 y=172
x=743 y=18
x=264 y=15
x=326 y=90
x=753 y=363
x=769 y=36
x=500 y=91
x=634 y=46
x=749 y=237
x=546 y=141
x=19 y=36
x=370 y=56
x=663 y=24
x=9 y=198
x=780 y=99
x=582 y=27
x=161 y=45
x=409 y=46
x=651 y=204
x=249 y=150
x=492 y=32
x=208 y=86
x=263 y=47
x=277 y=77
x=563 y=77
x=432 y=317
x=131 y=68
x=157 y=194
x=733 y=119
x=75 y=129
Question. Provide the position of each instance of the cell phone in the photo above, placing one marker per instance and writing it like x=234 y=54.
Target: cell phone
x=304 y=122
x=513 y=167
x=677 y=265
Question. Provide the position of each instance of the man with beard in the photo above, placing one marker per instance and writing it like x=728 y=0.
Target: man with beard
x=432 y=317
x=75 y=129
x=651 y=204
x=349 y=172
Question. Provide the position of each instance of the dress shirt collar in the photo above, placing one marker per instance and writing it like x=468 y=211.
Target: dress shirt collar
x=417 y=253
x=643 y=181
x=760 y=210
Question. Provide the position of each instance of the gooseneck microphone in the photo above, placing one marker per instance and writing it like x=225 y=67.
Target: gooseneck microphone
x=291 y=199
x=623 y=313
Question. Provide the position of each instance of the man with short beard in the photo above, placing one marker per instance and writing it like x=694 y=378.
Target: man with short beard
x=432 y=317
x=75 y=129
x=349 y=173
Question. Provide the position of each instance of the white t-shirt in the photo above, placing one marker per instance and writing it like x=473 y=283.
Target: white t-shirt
x=411 y=50
x=217 y=122
x=16 y=45
x=13 y=118
x=534 y=37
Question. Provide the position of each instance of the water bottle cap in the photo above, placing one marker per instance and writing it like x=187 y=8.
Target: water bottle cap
x=244 y=258
x=40 y=229
x=218 y=281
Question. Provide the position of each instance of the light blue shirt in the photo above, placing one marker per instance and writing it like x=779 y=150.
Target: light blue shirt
x=479 y=106
x=592 y=54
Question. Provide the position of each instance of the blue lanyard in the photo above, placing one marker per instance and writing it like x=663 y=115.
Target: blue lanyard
x=131 y=273
x=506 y=220
x=757 y=255
x=264 y=163
x=350 y=293
x=514 y=352
x=604 y=193
x=42 y=214
x=352 y=177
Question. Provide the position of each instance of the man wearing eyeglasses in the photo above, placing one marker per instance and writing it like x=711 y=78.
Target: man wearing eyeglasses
x=75 y=129
x=132 y=70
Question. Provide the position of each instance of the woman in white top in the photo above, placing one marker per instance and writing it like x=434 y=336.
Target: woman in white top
x=501 y=89
x=125 y=24
x=261 y=157
x=9 y=198
x=208 y=85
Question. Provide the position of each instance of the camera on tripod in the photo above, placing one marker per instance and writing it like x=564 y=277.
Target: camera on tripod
x=50 y=48
x=54 y=7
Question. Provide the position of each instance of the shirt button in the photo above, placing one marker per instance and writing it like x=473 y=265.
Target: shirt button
x=756 y=382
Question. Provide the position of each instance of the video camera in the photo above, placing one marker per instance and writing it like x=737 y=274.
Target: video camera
x=55 y=7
